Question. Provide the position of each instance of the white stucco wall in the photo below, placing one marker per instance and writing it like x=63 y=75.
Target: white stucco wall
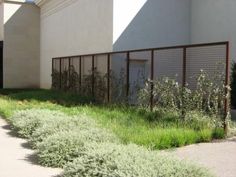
x=73 y=27
x=151 y=23
x=21 y=46
x=214 y=20
x=1 y=20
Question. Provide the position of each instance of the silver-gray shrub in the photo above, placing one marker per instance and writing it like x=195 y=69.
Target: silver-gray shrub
x=112 y=160
x=208 y=96
x=64 y=123
x=62 y=147
x=25 y=122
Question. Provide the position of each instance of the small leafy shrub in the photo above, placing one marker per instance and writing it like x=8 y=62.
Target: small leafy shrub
x=70 y=81
x=27 y=121
x=64 y=123
x=108 y=160
x=199 y=121
x=58 y=149
x=206 y=97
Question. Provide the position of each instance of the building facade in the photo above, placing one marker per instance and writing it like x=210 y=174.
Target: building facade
x=35 y=33
x=21 y=45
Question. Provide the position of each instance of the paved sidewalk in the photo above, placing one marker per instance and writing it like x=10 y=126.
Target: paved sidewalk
x=219 y=157
x=16 y=159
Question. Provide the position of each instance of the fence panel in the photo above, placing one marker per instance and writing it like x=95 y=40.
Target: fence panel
x=56 y=74
x=210 y=59
x=101 y=78
x=75 y=74
x=117 y=76
x=87 y=84
x=139 y=72
x=64 y=73
x=168 y=63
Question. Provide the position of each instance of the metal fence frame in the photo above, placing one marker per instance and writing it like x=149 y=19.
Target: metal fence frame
x=152 y=50
x=1 y=64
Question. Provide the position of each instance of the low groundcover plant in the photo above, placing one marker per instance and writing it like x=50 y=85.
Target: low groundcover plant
x=112 y=160
x=25 y=122
x=65 y=123
x=62 y=147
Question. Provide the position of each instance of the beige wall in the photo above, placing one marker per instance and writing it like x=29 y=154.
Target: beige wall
x=73 y=27
x=214 y=20
x=151 y=23
x=155 y=23
x=21 y=46
x=1 y=20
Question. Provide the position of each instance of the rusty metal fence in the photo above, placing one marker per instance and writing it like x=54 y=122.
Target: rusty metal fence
x=116 y=76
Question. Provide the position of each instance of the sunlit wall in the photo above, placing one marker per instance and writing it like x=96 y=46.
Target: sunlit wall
x=21 y=46
x=214 y=20
x=150 y=23
x=10 y=10
x=1 y=21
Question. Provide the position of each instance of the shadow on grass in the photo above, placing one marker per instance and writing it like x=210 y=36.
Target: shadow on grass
x=67 y=99
x=53 y=96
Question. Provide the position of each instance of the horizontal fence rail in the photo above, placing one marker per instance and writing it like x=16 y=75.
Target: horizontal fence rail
x=117 y=76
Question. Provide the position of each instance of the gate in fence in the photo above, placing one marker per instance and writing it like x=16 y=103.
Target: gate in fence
x=117 y=76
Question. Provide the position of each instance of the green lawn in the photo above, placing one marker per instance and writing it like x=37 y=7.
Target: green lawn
x=158 y=130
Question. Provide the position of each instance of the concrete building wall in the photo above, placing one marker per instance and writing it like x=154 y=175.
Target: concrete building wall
x=146 y=24
x=21 y=46
x=1 y=20
x=151 y=23
x=73 y=27
x=214 y=20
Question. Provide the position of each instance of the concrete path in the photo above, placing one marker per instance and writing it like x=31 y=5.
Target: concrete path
x=219 y=157
x=16 y=159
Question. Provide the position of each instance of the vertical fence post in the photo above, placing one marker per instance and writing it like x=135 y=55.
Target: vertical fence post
x=93 y=76
x=152 y=78
x=52 y=72
x=227 y=75
x=69 y=73
x=108 y=77
x=53 y=65
x=60 y=73
x=127 y=74
x=184 y=80
x=184 y=66
x=80 y=73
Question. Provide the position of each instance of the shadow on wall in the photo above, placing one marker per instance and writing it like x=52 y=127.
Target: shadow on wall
x=158 y=23
x=21 y=47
